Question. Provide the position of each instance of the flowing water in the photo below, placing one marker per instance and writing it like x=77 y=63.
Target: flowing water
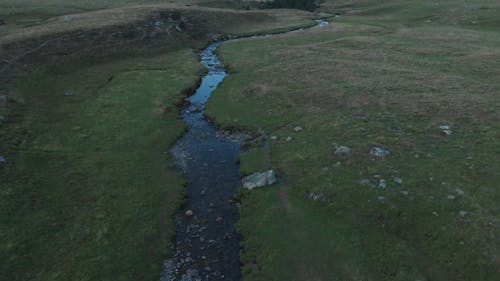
x=207 y=243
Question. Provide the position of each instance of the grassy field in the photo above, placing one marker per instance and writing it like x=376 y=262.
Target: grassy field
x=88 y=191
x=385 y=74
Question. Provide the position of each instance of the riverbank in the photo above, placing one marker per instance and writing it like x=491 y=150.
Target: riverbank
x=89 y=189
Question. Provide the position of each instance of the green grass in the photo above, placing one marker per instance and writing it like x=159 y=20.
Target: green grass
x=88 y=191
x=377 y=76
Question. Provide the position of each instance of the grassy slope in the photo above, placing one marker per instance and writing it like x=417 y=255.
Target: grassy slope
x=383 y=75
x=88 y=192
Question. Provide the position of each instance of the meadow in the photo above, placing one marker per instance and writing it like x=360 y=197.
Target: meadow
x=417 y=78
x=88 y=115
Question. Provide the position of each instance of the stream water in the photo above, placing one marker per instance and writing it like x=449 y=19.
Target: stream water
x=207 y=242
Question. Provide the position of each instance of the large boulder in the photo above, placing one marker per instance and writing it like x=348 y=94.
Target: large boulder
x=259 y=180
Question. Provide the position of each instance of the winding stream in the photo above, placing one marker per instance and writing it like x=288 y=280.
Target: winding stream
x=207 y=242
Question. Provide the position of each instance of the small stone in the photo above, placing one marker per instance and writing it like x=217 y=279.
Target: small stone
x=381 y=198
x=459 y=192
x=274 y=137
x=447 y=132
x=404 y=192
x=288 y=139
x=365 y=182
x=382 y=184
x=435 y=214
x=378 y=151
x=218 y=219
x=189 y=213
x=2 y=160
x=450 y=197
x=203 y=192
x=68 y=94
x=398 y=180
x=462 y=213
x=298 y=129
x=343 y=150
x=259 y=180
x=444 y=127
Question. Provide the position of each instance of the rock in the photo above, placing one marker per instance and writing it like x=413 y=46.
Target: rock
x=218 y=219
x=298 y=129
x=289 y=139
x=189 y=213
x=343 y=150
x=365 y=182
x=445 y=129
x=398 y=180
x=378 y=151
x=274 y=138
x=435 y=213
x=382 y=184
x=68 y=94
x=447 y=132
x=404 y=192
x=450 y=197
x=381 y=198
x=259 y=180
x=2 y=160
x=459 y=192
x=462 y=213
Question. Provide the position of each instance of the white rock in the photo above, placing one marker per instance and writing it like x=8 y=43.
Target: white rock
x=189 y=213
x=289 y=139
x=451 y=197
x=343 y=150
x=459 y=192
x=447 y=132
x=462 y=213
x=398 y=180
x=298 y=129
x=382 y=184
x=444 y=127
x=379 y=151
x=259 y=180
x=365 y=182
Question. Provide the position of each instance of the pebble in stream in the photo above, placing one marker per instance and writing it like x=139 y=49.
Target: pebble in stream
x=207 y=243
